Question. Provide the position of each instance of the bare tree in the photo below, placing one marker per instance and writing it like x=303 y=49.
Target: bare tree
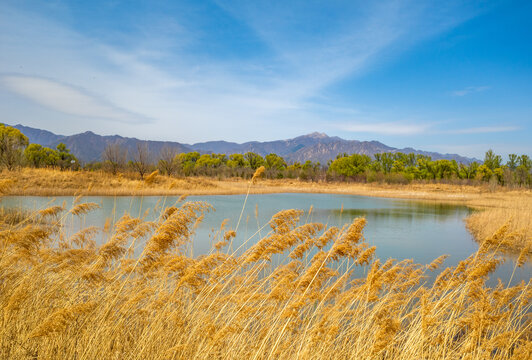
x=141 y=160
x=114 y=157
x=167 y=160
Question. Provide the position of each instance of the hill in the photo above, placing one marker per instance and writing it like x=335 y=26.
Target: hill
x=89 y=146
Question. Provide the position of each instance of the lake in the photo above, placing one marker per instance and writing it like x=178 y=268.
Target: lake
x=401 y=229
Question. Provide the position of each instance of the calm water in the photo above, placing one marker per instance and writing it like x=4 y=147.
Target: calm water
x=400 y=229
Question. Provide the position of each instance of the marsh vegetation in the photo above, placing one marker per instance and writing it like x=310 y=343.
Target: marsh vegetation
x=66 y=297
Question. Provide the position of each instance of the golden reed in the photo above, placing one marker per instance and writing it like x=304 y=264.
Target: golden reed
x=66 y=297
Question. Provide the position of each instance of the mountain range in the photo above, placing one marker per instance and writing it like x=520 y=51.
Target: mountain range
x=89 y=146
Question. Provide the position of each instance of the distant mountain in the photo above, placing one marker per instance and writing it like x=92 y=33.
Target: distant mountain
x=290 y=149
x=315 y=147
x=38 y=136
x=89 y=146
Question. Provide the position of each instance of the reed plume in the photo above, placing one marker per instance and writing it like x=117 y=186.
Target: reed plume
x=301 y=291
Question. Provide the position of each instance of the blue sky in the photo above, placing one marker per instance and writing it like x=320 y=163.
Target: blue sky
x=441 y=76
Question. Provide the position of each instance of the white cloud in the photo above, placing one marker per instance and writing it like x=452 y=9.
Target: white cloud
x=67 y=99
x=194 y=98
x=386 y=128
x=485 y=130
x=469 y=90
x=403 y=128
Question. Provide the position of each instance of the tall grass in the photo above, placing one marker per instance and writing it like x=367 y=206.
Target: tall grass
x=50 y=182
x=65 y=297
x=514 y=217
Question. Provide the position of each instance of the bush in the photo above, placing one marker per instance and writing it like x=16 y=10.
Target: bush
x=396 y=178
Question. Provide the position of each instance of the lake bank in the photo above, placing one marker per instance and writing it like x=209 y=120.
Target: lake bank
x=48 y=182
x=506 y=209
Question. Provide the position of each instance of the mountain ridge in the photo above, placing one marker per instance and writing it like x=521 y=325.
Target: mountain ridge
x=89 y=146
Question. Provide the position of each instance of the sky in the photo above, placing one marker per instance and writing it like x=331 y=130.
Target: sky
x=446 y=76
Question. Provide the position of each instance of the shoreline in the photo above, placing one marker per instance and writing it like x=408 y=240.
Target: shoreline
x=501 y=209
x=45 y=182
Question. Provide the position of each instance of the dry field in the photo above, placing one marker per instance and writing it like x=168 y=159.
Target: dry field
x=48 y=182
x=63 y=297
x=512 y=208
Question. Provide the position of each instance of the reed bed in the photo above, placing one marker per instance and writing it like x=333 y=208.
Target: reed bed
x=53 y=182
x=512 y=219
x=67 y=297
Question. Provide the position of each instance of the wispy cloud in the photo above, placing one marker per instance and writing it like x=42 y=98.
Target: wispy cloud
x=310 y=58
x=67 y=99
x=404 y=128
x=386 y=128
x=485 y=130
x=469 y=90
x=191 y=96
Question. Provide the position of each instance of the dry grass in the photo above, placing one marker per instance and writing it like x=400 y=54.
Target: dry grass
x=49 y=182
x=495 y=207
x=67 y=298
x=513 y=217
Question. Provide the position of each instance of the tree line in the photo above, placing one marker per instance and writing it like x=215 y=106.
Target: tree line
x=403 y=168
x=169 y=161
x=383 y=167
x=15 y=151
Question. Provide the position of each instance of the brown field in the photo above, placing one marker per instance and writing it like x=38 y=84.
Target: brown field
x=496 y=207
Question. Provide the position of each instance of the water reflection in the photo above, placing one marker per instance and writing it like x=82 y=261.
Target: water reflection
x=411 y=211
